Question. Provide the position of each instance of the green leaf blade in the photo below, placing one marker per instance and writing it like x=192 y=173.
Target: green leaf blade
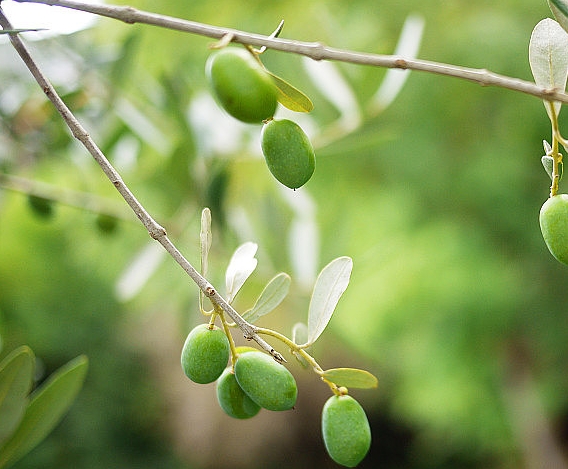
x=272 y=295
x=351 y=378
x=290 y=96
x=47 y=406
x=16 y=377
x=330 y=285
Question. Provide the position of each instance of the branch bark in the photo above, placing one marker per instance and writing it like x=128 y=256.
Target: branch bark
x=313 y=50
x=155 y=230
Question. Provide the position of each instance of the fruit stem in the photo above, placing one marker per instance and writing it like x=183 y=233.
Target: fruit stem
x=227 y=330
x=555 y=154
x=299 y=351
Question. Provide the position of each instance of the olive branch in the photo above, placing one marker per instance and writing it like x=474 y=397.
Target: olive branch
x=313 y=50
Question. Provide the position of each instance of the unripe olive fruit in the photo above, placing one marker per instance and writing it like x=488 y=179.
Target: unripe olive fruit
x=232 y=399
x=288 y=152
x=266 y=382
x=554 y=226
x=205 y=354
x=346 y=431
x=41 y=206
x=242 y=87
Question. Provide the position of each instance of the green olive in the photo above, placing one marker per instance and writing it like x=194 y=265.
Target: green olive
x=232 y=399
x=288 y=152
x=41 y=206
x=266 y=382
x=205 y=354
x=241 y=85
x=346 y=430
x=554 y=226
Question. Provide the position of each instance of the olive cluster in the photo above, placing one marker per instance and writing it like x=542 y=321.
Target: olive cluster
x=254 y=380
x=248 y=92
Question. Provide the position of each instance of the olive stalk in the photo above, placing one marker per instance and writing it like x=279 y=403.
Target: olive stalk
x=155 y=230
x=555 y=154
x=313 y=50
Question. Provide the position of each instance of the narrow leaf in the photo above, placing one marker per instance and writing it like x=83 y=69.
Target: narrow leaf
x=240 y=268
x=408 y=46
x=48 y=405
x=272 y=295
x=205 y=239
x=16 y=376
x=560 y=10
x=351 y=378
x=330 y=285
x=290 y=96
x=548 y=57
x=16 y=31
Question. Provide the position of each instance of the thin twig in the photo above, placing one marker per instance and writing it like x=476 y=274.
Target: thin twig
x=313 y=50
x=154 y=229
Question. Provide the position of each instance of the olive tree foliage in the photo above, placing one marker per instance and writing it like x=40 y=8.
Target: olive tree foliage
x=443 y=296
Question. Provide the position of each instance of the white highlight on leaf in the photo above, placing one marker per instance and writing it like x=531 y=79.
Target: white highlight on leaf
x=55 y=21
x=548 y=57
x=303 y=237
x=241 y=266
x=330 y=285
x=299 y=333
x=139 y=271
x=407 y=47
x=328 y=79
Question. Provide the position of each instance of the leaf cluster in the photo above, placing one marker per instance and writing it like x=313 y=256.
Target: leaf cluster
x=26 y=418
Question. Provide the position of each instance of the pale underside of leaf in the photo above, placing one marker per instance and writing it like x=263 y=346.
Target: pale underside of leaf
x=241 y=266
x=272 y=295
x=548 y=57
x=351 y=378
x=290 y=96
x=330 y=285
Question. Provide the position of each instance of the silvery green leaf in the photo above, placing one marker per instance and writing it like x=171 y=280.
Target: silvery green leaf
x=240 y=268
x=272 y=295
x=548 y=57
x=560 y=10
x=548 y=162
x=330 y=285
x=205 y=238
x=547 y=147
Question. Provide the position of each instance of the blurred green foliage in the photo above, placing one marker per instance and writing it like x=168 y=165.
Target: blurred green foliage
x=455 y=302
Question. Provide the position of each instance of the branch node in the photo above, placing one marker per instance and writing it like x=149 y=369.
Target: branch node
x=400 y=63
x=157 y=231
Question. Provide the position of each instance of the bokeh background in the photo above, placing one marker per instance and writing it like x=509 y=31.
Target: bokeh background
x=454 y=302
